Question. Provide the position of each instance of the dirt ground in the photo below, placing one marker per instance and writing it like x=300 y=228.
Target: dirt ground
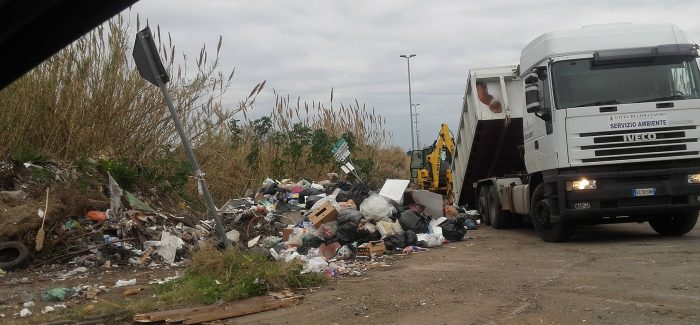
x=609 y=274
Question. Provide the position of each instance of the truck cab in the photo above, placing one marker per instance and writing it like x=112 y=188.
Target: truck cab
x=611 y=129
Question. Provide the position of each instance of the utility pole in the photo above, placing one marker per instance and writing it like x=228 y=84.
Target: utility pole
x=410 y=99
x=415 y=121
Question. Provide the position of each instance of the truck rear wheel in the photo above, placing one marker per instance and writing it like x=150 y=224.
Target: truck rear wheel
x=499 y=219
x=540 y=213
x=676 y=224
x=483 y=205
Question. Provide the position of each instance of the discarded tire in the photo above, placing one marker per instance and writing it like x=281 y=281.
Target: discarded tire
x=13 y=255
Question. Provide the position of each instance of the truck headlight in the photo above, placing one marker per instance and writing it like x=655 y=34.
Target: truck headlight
x=694 y=179
x=582 y=185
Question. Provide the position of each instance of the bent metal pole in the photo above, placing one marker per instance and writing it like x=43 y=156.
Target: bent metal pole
x=151 y=68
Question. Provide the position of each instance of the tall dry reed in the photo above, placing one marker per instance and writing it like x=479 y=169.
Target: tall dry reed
x=89 y=101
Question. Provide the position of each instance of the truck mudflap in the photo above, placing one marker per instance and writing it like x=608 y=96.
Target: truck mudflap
x=626 y=190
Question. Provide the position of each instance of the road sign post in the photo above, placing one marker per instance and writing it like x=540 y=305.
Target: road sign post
x=151 y=68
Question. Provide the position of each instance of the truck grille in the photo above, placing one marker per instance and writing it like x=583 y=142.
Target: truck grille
x=639 y=144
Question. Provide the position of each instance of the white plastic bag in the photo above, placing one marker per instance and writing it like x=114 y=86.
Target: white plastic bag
x=315 y=264
x=433 y=240
x=375 y=208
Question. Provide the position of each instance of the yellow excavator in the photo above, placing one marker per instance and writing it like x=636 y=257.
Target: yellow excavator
x=432 y=166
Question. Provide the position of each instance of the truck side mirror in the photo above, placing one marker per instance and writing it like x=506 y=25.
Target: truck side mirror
x=531 y=78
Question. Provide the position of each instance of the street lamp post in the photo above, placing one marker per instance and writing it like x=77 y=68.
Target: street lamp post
x=415 y=121
x=410 y=99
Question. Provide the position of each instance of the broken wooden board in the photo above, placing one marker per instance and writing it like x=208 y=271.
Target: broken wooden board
x=146 y=255
x=199 y=314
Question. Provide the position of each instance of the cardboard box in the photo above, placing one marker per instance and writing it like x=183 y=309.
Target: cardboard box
x=326 y=213
x=373 y=247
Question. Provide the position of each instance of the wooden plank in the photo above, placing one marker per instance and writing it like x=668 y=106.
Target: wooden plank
x=146 y=255
x=194 y=315
x=240 y=308
x=160 y=316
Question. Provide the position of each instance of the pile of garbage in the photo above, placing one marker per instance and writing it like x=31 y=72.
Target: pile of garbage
x=331 y=225
x=338 y=228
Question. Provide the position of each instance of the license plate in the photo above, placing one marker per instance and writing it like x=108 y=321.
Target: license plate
x=651 y=191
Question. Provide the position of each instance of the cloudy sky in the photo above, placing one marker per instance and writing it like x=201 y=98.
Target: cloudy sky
x=304 y=48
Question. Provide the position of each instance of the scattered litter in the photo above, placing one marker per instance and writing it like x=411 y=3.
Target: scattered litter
x=80 y=269
x=125 y=283
x=233 y=235
x=315 y=264
x=394 y=189
x=432 y=240
x=165 y=280
x=167 y=246
x=254 y=241
x=25 y=313
x=56 y=294
x=131 y=292
x=28 y=304
x=96 y=215
x=431 y=201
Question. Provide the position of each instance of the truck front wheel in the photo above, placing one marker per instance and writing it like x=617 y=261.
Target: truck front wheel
x=540 y=213
x=676 y=224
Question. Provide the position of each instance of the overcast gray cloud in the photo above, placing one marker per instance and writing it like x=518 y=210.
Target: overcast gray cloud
x=304 y=48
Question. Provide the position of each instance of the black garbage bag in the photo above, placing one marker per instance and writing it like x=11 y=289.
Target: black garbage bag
x=359 y=192
x=349 y=215
x=410 y=220
x=311 y=200
x=397 y=209
x=303 y=249
x=312 y=241
x=310 y=191
x=393 y=242
x=453 y=229
x=348 y=220
x=343 y=196
x=347 y=233
x=364 y=235
x=343 y=185
x=470 y=224
x=271 y=190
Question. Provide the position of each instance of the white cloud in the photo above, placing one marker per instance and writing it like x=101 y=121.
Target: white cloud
x=305 y=48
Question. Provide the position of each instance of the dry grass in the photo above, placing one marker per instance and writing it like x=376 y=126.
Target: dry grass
x=214 y=276
x=88 y=101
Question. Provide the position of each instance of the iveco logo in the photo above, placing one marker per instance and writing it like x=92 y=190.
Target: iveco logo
x=635 y=137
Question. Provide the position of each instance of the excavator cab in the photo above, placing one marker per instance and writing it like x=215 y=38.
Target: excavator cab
x=431 y=167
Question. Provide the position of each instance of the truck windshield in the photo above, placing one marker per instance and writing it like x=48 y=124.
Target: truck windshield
x=578 y=83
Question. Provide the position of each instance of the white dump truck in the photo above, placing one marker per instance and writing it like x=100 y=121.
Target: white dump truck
x=595 y=125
